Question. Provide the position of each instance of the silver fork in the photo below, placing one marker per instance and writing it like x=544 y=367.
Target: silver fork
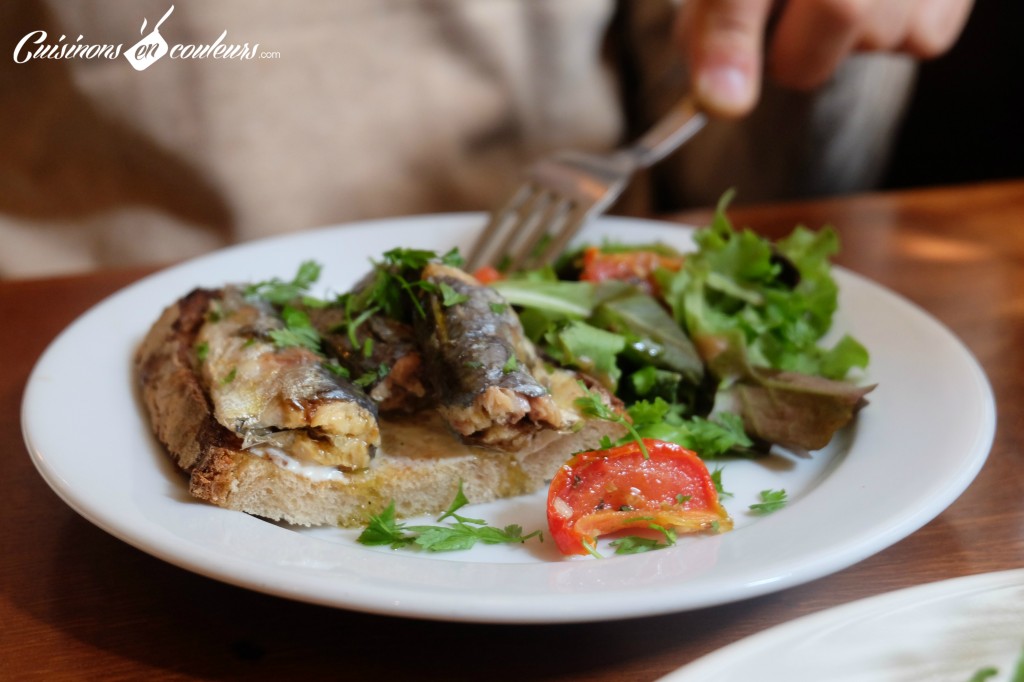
x=563 y=191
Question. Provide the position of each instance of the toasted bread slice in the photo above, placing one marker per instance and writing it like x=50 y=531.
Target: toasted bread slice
x=419 y=465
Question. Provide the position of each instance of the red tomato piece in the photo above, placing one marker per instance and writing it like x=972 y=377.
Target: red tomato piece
x=488 y=274
x=629 y=266
x=604 y=491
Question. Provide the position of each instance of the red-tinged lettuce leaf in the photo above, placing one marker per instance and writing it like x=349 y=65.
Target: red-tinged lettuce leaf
x=725 y=354
x=797 y=411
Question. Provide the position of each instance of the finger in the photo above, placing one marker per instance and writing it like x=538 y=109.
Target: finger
x=812 y=38
x=724 y=40
x=935 y=25
x=885 y=26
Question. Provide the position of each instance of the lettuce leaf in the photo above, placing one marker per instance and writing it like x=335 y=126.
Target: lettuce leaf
x=770 y=306
x=797 y=411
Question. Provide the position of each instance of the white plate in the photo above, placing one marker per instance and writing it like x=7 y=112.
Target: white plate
x=939 y=632
x=913 y=450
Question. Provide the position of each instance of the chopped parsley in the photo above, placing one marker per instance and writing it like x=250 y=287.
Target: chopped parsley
x=335 y=368
x=450 y=297
x=771 y=501
x=202 y=351
x=709 y=438
x=394 y=283
x=990 y=672
x=592 y=405
x=510 y=364
x=373 y=376
x=635 y=544
x=392 y=289
x=297 y=331
x=716 y=478
x=460 y=533
x=279 y=292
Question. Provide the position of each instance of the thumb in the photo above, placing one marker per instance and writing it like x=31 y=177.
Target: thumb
x=723 y=40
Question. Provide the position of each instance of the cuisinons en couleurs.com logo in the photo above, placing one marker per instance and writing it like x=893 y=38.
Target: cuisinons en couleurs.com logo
x=147 y=51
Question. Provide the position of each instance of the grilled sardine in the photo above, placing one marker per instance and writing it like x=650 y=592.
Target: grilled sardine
x=482 y=364
x=281 y=400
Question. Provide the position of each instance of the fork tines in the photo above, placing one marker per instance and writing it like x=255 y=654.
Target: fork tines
x=529 y=230
x=561 y=192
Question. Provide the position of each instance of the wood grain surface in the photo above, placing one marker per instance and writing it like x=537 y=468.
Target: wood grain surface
x=77 y=603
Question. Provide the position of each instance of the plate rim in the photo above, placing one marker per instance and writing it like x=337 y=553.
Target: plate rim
x=718 y=660
x=499 y=609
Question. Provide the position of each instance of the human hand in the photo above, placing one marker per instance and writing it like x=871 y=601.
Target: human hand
x=724 y=41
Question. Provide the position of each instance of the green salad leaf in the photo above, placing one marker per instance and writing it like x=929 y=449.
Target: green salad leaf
x=771 y=304
x=572 y=299
x=742 y=322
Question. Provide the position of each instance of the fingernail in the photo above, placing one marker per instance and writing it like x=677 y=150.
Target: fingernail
x=724 y=89
x=937 y=28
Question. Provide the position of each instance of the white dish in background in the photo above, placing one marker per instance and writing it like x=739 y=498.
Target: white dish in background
x=940 y=632
x=911 y=453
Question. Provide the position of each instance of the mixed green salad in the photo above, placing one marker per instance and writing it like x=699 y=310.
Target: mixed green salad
x=719 y=350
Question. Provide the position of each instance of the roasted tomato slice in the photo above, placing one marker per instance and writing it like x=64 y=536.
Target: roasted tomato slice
x=629 y=266
x=604 y=491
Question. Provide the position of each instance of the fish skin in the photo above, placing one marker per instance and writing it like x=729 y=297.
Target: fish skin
x=282 y=398
x=392 y=345
x=486 y=397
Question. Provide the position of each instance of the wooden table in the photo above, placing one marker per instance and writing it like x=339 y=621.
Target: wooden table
x=77 y=603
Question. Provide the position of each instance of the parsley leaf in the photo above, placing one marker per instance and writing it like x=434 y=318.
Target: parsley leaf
x=660 y=420
x=371 y=377
x=771 y=501
x=384 y=529
x=279 y=292
x=298 y=331
x=635 y=544
x=453 y=258
x=458 y=502
x=337 y=369
x=716 y=479
x=592 y=405
x=450 y=297
x=460 y=534
x=392 y=287
x=510 y=364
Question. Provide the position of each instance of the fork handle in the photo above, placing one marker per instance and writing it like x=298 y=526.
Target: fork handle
x=681 y=123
